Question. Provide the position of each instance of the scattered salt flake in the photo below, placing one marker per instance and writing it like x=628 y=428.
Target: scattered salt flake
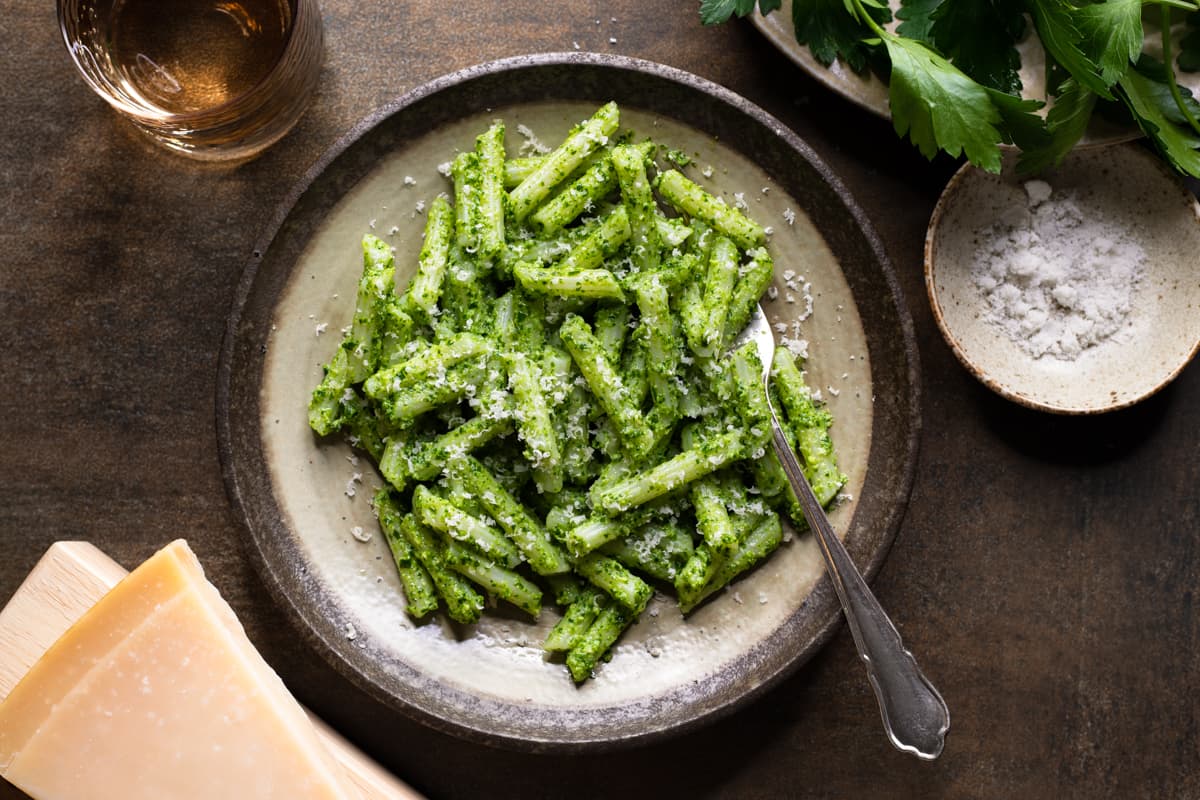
x=772 y=292
x=762 y=598
x=780 y=327
x=789 y=216
x=739 y=201
x=806 y=291
x=707 y=171
x=737 y=598
x=444 y=168
x=372 y=224
x=321 y=328
x=350 y=490
x=833 y=391
x=358 y=533
x=612 y=40
x=575 y=45
x=1038 y=192
x=798 y=347
x=768 y=230
x=351 y=633
x=409 y=180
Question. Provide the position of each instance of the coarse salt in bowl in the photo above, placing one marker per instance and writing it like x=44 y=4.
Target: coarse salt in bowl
x=1076 y=291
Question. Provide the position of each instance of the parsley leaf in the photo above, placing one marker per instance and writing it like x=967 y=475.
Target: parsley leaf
x=1022 y=125
x=1154 y=70
x=939 y=107
x=1145 y=100
x=917 y=19
x=713 y=12
x=1065 y=123
x=979 y=37
x=1055 y=23
x=1112 y=35
x=832 y=32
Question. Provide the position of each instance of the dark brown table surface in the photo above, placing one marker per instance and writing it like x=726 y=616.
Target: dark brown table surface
x=1045 y=571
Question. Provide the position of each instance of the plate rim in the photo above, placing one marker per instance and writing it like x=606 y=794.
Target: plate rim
x=909 y=406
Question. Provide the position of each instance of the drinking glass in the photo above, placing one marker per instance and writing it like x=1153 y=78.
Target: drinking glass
x=213 y=79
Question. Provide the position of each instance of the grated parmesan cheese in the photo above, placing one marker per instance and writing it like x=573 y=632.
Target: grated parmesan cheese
x=531 y=144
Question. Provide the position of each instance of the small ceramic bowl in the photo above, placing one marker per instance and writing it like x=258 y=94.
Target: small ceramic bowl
x=1077 y=292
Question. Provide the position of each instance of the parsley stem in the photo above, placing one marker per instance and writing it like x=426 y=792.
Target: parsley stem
x=1175 y=4
x=1170 y=69
x=863 y=16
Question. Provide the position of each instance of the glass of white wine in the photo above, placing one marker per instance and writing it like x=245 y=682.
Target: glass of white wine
x=218 y=80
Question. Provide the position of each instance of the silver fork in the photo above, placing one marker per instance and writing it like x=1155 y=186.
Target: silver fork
x=914 y=714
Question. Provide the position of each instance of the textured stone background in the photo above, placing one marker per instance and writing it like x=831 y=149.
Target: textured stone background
x=1044 y=573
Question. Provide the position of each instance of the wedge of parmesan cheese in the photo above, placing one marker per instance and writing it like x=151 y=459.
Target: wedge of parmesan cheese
x=157 y=693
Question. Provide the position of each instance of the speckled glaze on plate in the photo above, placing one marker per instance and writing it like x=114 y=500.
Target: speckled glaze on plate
x=490 y=682
x=869 y=92
x=1125 y=185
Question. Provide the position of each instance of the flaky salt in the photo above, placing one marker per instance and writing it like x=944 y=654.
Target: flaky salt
x=1055 y=277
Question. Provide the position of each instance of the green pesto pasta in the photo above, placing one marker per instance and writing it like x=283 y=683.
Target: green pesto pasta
x=554 y=402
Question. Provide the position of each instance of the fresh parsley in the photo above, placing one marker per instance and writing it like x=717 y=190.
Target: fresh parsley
x=1145 y=99
x=953 y=70
x=939 y=107
x=831 y=33
x=977 y=35
x=1065 y=124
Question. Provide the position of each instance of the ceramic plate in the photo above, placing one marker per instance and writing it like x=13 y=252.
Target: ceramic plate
x=1128 y=189
x=490 y=681
x=871 y=93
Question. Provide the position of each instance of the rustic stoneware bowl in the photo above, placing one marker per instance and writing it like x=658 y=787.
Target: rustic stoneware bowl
x=491 y=682
x=1128 y=188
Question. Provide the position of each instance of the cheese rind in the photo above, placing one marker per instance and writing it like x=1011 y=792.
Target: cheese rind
x=156 y=692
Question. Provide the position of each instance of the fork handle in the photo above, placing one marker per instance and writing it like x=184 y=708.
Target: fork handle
x=914 y=714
